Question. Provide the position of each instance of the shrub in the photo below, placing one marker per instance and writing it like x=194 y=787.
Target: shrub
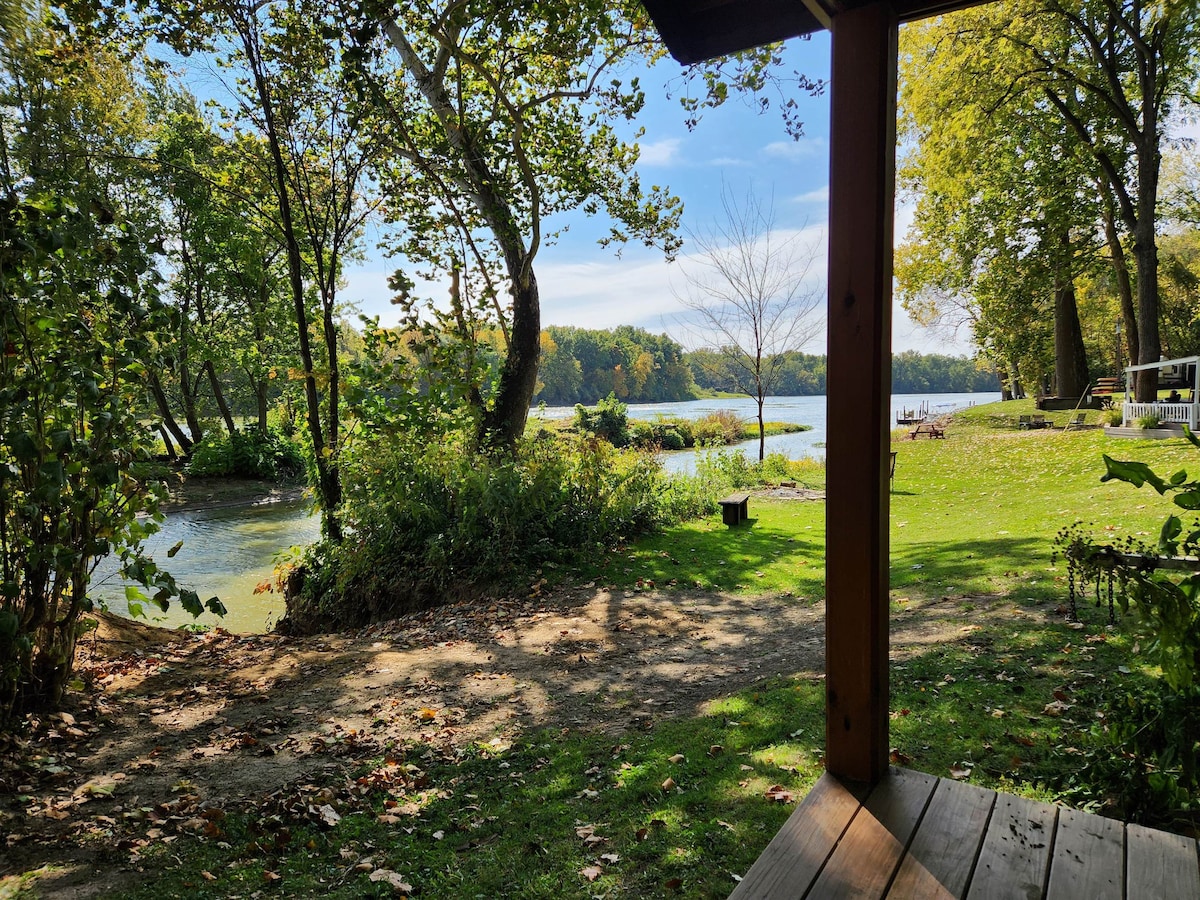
x=248 y=453
x=1148 y=421
x=81 y=323
x=656 y=436
x=1111 y=416
x=719 y=428
x=431 y=522
x=729 y=468
x=671 y=439
x=1156 y=731
x=607 y=419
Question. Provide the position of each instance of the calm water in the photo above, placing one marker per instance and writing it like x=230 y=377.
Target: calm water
x=228 y=551
x=800 y=410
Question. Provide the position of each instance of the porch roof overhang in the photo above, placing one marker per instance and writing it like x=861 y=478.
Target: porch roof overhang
x=1163 y=363
x=697 y=30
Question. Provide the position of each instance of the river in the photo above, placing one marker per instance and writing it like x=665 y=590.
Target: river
x=228 y=551
x=796 y=410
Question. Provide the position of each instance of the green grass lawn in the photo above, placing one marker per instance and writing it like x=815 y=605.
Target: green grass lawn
x=974 y=513
x=680 y=811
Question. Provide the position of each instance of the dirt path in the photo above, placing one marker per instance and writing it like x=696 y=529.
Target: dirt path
x=177 y=727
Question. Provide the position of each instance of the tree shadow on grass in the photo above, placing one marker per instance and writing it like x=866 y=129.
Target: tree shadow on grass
x=721 y=557
x=973 y=566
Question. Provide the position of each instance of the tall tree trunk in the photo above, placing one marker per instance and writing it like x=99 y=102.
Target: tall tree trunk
x=1014 y=381
x=328 y=479
x=261 y=386
x=164 y=410
x=260 y=402
x=762 y=431
x=504 y=424
x=1005 y=384
x=1070 y=355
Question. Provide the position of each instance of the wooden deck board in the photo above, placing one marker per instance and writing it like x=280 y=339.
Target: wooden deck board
x=1160 y=864
x=916 y=837
x=793 y=859
x=942 y=855
x=1089 y=858
x=864 y=861
x=1016 y=851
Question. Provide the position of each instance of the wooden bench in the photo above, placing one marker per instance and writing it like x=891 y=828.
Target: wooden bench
x=734 y=508
x=929 y=429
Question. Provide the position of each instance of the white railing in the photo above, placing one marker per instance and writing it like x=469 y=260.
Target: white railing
x=1177 y=413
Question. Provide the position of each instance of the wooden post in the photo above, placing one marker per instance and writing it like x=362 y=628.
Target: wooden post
x=861 y=193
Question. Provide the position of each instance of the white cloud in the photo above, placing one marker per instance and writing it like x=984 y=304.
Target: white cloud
x=820 y=195
x=659 y=153
x=808 y=148
x=729 y=162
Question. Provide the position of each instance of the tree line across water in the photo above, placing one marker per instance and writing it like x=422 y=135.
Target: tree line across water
x=586 y=365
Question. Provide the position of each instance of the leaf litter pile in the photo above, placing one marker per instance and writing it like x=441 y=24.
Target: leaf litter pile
x=171 y=735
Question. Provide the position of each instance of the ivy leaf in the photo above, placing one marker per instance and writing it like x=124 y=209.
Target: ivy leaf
x=1168 y=538
x=1135 y=473
x=23 y=447
x=1188 y=500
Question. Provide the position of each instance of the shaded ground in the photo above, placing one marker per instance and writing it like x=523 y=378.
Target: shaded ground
x=175 y=730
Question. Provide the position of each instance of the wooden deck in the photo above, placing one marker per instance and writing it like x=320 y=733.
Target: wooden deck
x=918 y=836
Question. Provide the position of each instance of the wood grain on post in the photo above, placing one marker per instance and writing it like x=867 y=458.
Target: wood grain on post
x=861 y=190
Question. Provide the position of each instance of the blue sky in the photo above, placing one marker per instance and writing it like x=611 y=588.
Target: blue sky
x=585 y=285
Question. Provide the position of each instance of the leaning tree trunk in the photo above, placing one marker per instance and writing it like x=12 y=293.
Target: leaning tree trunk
x=219 y=396
x=164 y=410
x=501 y=427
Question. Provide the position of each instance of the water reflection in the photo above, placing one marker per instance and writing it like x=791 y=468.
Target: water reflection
x=226 y=551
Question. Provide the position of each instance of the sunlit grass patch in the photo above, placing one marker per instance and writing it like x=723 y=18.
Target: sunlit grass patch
x=681 y=809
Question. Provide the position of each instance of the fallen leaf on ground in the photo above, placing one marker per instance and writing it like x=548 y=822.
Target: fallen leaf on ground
x=779 y=794
x=960 y=772
x=1055 y=708
x=591 y=873
x=394 y=879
